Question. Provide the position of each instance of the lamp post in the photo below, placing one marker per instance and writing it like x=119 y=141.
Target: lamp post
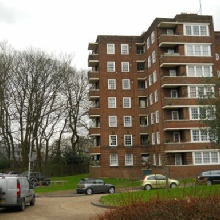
x=29 y=158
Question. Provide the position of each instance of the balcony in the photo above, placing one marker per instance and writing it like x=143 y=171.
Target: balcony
x=94 y=150
x=93 y=60
x=94 y=112
x=169 y=103
x=174 y=40
x=94 y=131
x=95 y=93
x=175 y=59
x=93 y=76
x=171 y=82
x=180 y=124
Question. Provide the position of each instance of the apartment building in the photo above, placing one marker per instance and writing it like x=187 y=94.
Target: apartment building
x=144 y=92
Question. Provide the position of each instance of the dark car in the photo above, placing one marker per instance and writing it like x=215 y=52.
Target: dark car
x=209 y=177
x=94 y=185
x=36 y=178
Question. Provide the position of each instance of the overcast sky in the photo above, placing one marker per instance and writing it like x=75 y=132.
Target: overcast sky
x=67 y=26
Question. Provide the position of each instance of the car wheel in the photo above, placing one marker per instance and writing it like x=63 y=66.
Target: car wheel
x=22 y=206
x=32 y=202
x=89 y=191
x=147 y=187
x=111 y=190
x=173 y=185
x=209 y=182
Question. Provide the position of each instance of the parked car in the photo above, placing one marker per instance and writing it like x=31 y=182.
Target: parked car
x=94 y=185
x=10 y=172
x=158 y=181
x=36 y=178
x=209 y=177
x=15 y=191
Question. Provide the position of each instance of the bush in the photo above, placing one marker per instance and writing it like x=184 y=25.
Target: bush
x=184 y=209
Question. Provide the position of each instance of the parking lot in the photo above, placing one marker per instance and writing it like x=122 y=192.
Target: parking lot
x=77 y=207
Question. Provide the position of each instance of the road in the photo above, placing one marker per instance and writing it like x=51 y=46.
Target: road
x=77 y=207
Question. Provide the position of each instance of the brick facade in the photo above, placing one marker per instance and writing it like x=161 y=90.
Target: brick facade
x=160 y=83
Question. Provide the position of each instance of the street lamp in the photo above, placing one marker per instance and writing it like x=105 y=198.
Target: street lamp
x=29 y=158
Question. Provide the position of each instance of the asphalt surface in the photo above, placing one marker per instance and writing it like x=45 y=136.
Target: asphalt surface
x=59 y=206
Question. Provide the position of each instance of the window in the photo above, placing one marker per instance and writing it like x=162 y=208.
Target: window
x=172 y=72
x=128 y=159
x=154 y=159
x=144 y=139
x=153 y=138
x=140 y=49
x=111 y=84
x=112 y=121
x=198 y=50
x=158 y=137
x=176 y=137
x=152 y=118
x=113 y=140
x=151 y=99
x=170 y=32
x=141 y=84
x=127 y=121
x=149 y=61
x=126 y=102
x=155 y=96
x=143 y=121
x=201 y=135
x=198 y=30
x=113 y=160
x=128 y=140
x=154 y=76
x=202 y=113
x=174 y=93
x=125 y=66
x=110 y=66
x=159 y=160
x=150 y=80
x=153 y=57
x=124 y=49
x=126 y=84
x=152 y=37
x=140 y=66
x=199 y=71
x=175 y=115
x=206 y=157
x=148 y=43
x=110 y=49
x=111 y=102
x=201 y=91
x=157 y=116
x=142 y=102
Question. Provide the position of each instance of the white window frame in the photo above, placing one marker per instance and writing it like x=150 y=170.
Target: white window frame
x=126 y=84
x=111 y=102
x=175 y=115
x=127 y=121
x=200 y=91
x=112 y=120
x=172 y=72
x=124 y=49
x=124 y=66
x=152 y=118
x=153 y=56
x=129 y=160
x=113 y=141
x=198 y=50
x=154 y=160
x=173 y=93
x=127 y=140
x=150 y=81
x=153 y=141
x=111 y=84
x=158 y=137
x=200 y=135
x=196 y=29
x=126 y=102
x=148 y=43
x=110 y=66
x=176 y=137
x=199 y=71
x=113 y=158
x=206 y=157
x=155 y=96
x=149 y=61
x=110 y=48
x=154 y=76
x=152 y=37
x=157 y=117
x=151 y=99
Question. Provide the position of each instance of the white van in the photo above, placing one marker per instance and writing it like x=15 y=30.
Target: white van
x=15 y=191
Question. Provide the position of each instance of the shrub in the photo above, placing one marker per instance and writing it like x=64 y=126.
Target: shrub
x=181 y=209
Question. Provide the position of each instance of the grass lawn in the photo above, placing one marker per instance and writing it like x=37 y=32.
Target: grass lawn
x=120 y=199
x=72 y=181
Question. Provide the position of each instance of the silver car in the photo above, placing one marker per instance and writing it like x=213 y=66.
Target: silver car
x=94 y=185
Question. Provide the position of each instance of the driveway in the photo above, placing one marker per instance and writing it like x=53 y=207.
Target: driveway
x=76 y=207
